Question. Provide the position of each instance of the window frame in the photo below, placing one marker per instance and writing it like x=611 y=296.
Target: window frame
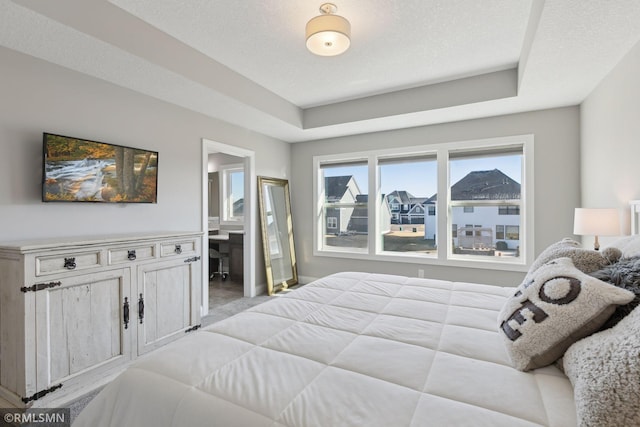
x=225 y=183
x=444 y=255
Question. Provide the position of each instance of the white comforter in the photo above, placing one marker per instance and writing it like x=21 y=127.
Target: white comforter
x=351 y=349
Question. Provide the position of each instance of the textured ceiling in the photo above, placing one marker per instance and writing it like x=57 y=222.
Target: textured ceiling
x=411 y=62
x=394 y=44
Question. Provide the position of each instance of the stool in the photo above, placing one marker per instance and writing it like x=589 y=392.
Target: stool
x=220 y=255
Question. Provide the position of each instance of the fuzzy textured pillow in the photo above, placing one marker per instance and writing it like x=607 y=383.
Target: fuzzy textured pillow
x=585 y=260
x=557 y=306
x=623 y=274
x=605 y=372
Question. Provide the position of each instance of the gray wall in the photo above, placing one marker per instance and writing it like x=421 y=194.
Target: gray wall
x=41 y=97
x=557 y=186
x=610 y=130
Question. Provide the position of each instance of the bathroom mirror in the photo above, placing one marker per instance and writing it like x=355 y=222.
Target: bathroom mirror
x=277 y=233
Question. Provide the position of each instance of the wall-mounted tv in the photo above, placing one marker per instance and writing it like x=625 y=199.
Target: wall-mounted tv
x=79 y=170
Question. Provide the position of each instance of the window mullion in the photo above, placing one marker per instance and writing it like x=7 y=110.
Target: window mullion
x=443 y=220
x=374 y=194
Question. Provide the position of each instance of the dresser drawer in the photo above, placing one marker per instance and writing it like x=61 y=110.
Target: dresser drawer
x=178 y=247
x=52 y=264
x=131 y=253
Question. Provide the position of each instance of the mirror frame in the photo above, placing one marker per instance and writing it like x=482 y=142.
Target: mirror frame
x=276 y=182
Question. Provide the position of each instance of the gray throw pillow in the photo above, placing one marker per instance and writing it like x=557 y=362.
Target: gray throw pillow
x=623 y=274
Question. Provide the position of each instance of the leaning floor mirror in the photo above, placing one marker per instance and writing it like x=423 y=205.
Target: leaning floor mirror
x=277 y=233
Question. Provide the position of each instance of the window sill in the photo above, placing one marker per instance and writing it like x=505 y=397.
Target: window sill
x=471 y=261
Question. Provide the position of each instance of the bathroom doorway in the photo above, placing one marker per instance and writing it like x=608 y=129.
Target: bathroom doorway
x=243 y=160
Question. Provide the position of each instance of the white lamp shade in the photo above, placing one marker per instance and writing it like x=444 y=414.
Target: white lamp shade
x=596 y=222
x=328 y=35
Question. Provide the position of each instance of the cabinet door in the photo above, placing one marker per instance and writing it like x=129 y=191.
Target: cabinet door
x=167 y=302
x=236 y=257
x=80 y=327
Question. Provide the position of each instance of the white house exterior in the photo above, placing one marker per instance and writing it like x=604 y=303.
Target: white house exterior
x=502 y=219
x=347 y=209
x=341 y=190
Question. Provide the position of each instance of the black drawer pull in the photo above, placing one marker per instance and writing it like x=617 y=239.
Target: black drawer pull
x=131 y=255
x=125 y=311
x=70 y=263
x=141 y=308
x=178 y=249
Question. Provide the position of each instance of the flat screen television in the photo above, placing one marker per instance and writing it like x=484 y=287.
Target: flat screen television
x=79 y=170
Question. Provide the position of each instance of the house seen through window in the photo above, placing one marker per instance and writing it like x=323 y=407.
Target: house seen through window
x=475 y=214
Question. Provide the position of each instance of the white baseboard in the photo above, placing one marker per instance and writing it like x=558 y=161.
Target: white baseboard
x=261 y=289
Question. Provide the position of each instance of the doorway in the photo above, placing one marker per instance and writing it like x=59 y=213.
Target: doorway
x=247 y=160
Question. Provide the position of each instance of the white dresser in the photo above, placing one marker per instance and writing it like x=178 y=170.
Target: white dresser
x=73 y=313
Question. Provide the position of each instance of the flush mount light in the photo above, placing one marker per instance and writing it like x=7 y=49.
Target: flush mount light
x=328 y=34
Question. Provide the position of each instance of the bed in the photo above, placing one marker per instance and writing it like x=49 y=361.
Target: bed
x=358 y=349
x=350 y=349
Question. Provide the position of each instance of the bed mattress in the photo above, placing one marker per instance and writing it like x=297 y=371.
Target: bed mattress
x=351 y=349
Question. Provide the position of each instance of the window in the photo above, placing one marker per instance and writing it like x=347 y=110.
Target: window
x=232 y=193
x=411 y=179
x=468 y=230
x=484 y=185
x=509 y=210
x=344 y=186
x=476 y=183
x=512 y=232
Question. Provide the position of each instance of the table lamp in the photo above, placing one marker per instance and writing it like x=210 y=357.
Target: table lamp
x=596 y=222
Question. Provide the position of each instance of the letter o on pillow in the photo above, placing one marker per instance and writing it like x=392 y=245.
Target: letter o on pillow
x=549 y=289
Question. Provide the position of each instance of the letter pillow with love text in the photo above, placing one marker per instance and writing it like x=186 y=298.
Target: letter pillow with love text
x=557 y=306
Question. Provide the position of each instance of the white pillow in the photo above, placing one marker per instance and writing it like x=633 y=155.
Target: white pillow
x=605 y=372
x=556 y=307
x=628 y=245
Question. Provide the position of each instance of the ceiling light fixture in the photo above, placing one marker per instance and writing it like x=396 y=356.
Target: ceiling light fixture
x=328 y=34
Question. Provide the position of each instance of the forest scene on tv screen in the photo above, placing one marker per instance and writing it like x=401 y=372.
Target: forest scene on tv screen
x=82 y=170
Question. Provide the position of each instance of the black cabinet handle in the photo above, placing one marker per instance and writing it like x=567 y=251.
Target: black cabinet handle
x=141 y=308
x=70 y=263
x=178 y=249
x=125 y=312
x=131 y=255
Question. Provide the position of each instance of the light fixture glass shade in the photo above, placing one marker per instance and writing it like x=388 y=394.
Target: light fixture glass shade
x=328 y=35
x=596 y=222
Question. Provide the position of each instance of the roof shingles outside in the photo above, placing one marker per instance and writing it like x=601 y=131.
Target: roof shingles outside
x=476 y=185
x=335 y=187
x=485 y=185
